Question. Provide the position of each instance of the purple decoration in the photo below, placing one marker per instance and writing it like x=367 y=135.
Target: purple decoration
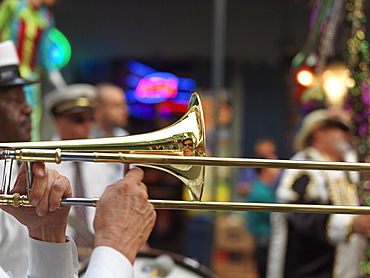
x=358 y=118
x=314 y=14
x=365 y=115
x=365 y=95
x=362 y=130
x=347 y=106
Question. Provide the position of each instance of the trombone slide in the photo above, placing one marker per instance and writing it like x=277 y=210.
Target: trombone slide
x=57 y=156
x=18 y=200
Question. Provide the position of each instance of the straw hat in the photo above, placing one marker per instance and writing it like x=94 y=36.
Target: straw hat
x=318 y=119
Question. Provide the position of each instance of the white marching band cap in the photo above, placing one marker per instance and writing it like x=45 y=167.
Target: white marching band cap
x=71 y=99
x=9 y=70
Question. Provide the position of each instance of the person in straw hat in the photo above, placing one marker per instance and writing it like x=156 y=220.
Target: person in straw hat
x=319 y=245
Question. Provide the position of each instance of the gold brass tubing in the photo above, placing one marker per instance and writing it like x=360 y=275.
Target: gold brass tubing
x=17 y=200
x=244 y=162
x=111 y=157
x=260 y=207
x=33 y=155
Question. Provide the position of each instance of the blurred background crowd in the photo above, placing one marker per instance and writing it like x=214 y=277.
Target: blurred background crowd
x=259 y=67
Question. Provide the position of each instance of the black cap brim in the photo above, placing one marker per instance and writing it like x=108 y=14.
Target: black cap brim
x=10 y=76
x=17 y=81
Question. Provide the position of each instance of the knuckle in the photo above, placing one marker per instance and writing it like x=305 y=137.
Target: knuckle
x=110 y=187
x=64 y=180
x=120 y=183
x=121 y=188
x=142 y=194
x=57 y=186
x=143 y=185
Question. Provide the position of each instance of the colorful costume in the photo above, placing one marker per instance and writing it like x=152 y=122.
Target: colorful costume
x=28 y=27
x=315 y=245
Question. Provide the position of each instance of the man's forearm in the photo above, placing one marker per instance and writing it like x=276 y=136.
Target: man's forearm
x=49 y=233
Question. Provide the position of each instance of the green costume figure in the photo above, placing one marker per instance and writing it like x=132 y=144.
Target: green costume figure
x=27 y=23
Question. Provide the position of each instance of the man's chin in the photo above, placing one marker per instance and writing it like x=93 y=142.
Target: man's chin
x=25 y=138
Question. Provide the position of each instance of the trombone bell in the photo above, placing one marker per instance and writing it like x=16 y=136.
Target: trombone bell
x=186 y=137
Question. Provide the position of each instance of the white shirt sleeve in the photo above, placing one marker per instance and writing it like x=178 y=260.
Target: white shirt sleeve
x=48 y=259
x=108 y=262
x=3 y=274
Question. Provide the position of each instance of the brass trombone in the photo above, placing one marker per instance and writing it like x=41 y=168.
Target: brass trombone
x=163 y=149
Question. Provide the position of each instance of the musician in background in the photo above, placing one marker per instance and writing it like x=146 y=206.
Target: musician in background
x=111 y=117
x=188 y=147
x=319 y=245
x=73 y=110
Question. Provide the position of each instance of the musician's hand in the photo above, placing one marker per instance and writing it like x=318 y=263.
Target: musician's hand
x=124 y=218
x=361 y=225
x=45 y=221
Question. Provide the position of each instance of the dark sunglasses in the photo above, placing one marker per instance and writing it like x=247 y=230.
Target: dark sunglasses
x=189 y=144
x=80 y=120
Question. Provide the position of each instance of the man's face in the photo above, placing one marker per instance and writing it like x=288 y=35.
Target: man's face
x=113 y=107
x=15 y=121
x=72 y=126
x=266 y=149
x=334 y=140
x=188 y=147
